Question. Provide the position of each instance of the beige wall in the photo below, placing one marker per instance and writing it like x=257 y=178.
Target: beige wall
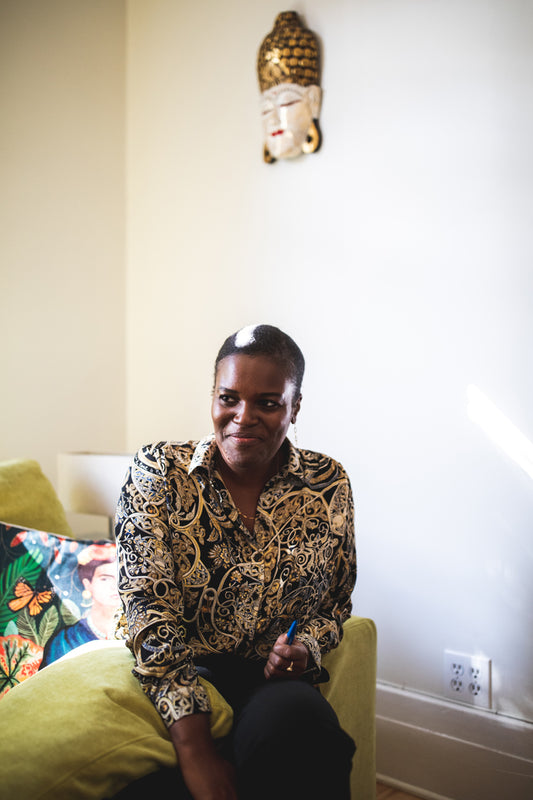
x=398 y=256
x=62 y=271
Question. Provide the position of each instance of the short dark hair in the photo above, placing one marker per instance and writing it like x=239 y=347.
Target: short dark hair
x=269 y=341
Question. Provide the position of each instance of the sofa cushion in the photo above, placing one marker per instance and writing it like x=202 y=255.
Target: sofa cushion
x=28 y=498
x=84 y=728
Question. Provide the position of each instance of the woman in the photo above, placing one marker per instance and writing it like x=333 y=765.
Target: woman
x=221 y=545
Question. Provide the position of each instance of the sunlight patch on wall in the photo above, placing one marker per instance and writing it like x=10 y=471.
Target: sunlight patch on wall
x=499 y=428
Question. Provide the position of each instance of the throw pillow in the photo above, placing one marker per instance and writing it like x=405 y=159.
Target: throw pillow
x=56 y=593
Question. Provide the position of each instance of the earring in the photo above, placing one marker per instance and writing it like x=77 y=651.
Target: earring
x=267 y=157
x=86 y=599
x=312 y=141
x=294 y=433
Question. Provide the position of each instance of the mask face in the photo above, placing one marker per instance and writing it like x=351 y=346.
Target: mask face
x=288 y=111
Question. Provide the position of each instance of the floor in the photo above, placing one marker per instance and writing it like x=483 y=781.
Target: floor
x=388 y=793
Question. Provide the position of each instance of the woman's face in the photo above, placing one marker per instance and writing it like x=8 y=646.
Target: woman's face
x=103 y=586
x=287 y=113
x=253 y=406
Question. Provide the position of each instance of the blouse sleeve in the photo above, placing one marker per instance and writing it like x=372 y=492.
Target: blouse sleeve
x=150 y=594
x=323 y=631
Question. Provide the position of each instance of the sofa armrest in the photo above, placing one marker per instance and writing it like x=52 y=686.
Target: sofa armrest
x=352 y=693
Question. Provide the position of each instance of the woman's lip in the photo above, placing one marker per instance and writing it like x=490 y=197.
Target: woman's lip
x=244 y=437
x=280 y=132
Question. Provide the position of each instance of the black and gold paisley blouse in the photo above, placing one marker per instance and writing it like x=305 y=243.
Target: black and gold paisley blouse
x=194 y=581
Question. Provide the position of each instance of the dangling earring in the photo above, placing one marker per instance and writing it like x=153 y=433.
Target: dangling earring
x=267 y=157
x=312 y=141
x=294 y=433
x=87 y=598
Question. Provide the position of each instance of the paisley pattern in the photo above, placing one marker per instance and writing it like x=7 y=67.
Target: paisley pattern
x=194 y=581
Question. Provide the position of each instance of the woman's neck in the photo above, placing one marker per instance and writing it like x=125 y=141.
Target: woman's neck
x=252 y=480
x=245 y=487
x=245 y=480
x=102 y=618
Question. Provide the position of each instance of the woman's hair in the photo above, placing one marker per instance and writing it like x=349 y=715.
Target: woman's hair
x=86 y=571
x=93 y=556
x=266 y=340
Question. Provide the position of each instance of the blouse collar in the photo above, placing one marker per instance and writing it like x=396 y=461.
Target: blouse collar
x=204 y=458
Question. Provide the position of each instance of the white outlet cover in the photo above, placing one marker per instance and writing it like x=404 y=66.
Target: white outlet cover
x=467 y=678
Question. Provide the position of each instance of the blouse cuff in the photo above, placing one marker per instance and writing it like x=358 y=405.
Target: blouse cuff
x=315 y=656
x=174 y=701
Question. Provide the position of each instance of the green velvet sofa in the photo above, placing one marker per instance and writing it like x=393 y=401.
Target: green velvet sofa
x=351 y=691
x=83 y=728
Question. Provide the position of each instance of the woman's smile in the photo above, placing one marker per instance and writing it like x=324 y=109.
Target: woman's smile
x=243 y=438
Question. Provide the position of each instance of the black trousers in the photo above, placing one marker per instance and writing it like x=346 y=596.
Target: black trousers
x=286 y=740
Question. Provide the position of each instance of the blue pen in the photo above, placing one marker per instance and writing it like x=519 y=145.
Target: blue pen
x=291 y=633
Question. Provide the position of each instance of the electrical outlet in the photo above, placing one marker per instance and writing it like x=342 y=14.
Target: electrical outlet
x=467 y=678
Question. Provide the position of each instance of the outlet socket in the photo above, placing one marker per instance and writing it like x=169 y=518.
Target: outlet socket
x=467 y=679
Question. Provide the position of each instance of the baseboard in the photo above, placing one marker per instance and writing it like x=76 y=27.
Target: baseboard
x=444 y=751
x=407 y=788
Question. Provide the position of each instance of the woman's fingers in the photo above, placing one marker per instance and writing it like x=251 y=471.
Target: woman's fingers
x=286 y=661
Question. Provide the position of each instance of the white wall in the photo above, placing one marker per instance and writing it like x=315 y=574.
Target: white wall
x=398 y=256
x=62 y=269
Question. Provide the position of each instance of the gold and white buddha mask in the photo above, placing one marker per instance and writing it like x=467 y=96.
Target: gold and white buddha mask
x=287 y=69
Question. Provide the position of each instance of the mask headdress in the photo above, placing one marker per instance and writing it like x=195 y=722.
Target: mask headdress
x=289 y=55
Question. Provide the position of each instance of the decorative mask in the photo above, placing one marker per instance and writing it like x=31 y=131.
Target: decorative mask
x=287 y=68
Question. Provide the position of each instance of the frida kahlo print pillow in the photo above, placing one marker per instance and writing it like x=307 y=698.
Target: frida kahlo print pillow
x=56 y=593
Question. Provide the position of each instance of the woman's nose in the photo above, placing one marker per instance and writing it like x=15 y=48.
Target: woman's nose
x=244 y=414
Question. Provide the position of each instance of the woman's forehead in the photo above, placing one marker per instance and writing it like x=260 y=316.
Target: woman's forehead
x=261 y=369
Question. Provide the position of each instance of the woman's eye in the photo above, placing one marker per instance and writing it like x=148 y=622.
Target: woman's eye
x=227 y=399
x=270 y=404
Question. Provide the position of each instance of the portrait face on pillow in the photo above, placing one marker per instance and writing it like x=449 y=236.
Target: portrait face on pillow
x=287 y=69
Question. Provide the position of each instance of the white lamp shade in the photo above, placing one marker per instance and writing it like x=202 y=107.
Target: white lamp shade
x=90 y=483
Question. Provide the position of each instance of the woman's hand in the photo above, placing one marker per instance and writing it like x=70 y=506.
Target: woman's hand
x=286 y=660
x=207 y=775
